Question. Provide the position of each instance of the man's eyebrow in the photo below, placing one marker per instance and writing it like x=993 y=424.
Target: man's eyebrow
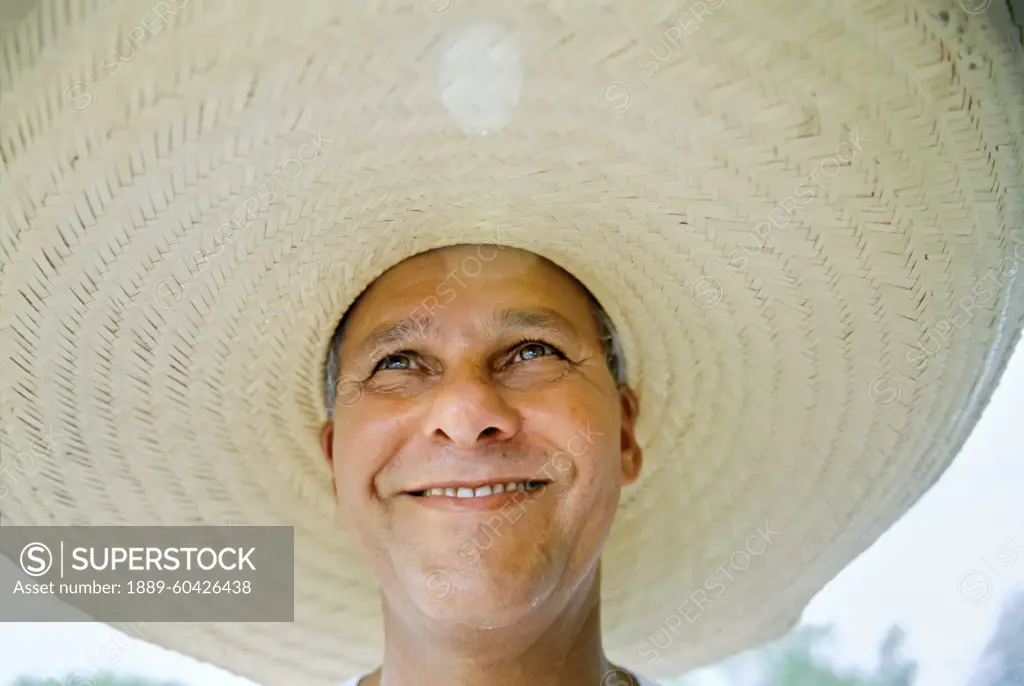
x=426 y=327
x=540 y=318
x=399 y=332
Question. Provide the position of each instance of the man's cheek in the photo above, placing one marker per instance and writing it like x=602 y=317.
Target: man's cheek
x=347 y=506
x=357 y=494
x=366 y=524
x=597 y=490
x=353 y=522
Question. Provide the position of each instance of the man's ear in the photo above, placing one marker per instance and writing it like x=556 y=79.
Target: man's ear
x=632 y=454
x=327 y=446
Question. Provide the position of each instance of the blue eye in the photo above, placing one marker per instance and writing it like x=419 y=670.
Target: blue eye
x=387 y=361
x=531 y=350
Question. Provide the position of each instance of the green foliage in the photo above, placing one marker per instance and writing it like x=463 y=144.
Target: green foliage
x=802 y=659
x=800 y=662
x=1002 y=663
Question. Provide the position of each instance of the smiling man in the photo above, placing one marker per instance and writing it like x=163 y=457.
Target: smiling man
x=482 y=436
x=478 y=450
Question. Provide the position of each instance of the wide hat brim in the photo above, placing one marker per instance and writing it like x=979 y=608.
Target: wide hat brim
x=799 y=215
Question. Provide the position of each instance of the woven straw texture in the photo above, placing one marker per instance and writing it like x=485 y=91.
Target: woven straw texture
x=804 y=217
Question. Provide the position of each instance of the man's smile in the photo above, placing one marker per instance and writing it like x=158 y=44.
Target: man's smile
x=477 y=496
x=471 y=489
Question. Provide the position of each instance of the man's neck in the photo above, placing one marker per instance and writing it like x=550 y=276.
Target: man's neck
x=567 y=652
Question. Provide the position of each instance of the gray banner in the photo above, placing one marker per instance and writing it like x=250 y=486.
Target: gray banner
x=148 y=573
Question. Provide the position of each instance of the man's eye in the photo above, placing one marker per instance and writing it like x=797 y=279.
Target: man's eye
x=531 y=350
x=394 y=361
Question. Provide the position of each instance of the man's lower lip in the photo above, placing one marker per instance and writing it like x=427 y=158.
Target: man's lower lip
x=495 y=501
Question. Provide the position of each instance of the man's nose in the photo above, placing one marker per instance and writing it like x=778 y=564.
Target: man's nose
x=469 y=410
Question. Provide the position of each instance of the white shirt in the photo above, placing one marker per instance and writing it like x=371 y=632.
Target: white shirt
x=354 y=681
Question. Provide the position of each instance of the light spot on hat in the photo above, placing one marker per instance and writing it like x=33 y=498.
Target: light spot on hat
x=481 y=77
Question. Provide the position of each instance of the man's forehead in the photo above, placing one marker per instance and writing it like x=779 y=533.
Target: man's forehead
x=451 y=276
x=510 y=288
x=464 y=263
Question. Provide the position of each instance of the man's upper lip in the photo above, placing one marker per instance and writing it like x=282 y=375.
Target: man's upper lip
x=476 y=483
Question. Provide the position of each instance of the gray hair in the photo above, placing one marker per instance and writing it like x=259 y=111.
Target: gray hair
x=609 y=335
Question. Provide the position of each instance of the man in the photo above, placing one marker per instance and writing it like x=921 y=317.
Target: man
x=461 y=410
x=804 y=225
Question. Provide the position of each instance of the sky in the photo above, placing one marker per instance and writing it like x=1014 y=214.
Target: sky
x=935 y=572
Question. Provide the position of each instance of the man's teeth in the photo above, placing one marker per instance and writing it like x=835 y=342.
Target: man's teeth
x=481 y=491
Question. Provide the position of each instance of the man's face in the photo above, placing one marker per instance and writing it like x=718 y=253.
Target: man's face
x=497 y=383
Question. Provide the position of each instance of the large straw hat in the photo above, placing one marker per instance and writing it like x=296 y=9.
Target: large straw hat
x=804 y=218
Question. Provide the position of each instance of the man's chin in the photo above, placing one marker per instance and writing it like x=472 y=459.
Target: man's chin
x=474 y=598
x=480 y=612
